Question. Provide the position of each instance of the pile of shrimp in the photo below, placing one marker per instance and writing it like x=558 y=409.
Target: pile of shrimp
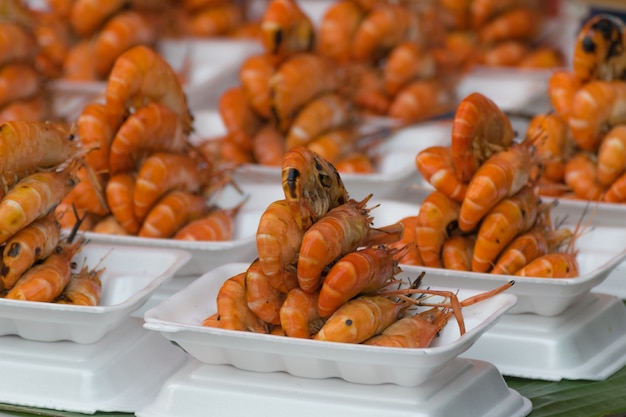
x=142 y=176
x=324 y=273
x=23 y=60
x=500 y=33
x=86 y=36
x=39 y=163
x=313 y=86
x=583 y=137
x=485 y=214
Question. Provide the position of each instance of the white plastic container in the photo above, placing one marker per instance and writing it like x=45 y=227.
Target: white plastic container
x=131 y=275
x=121 y=372
x=179 y=319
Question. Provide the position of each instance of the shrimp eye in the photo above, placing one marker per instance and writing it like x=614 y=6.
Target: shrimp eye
x=349 y=322
x=71 y=137
x=588 y=45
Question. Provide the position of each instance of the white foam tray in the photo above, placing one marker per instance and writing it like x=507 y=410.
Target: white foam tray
x=122 y=372
x=587 y=341
x=396 y=170
x=179 y=319
x=130 y=276
x=464 y=387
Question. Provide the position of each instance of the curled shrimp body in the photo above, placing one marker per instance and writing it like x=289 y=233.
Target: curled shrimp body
x=406 y=62
x=255 y=74
x=520 y=23
x=162 y=172
x=151 y=128
x=383 y=28
x=31 y=244
x=436 y=165
x=33 y=197
x=333 y=144
x=16 y=43
x=581 y=175
x=552 y=265
x=437 y=218
x=96 y=132
x=33 y=109
x=337 y=28
x=527 y=247
x=268 y=146
x=326 y=112
x=217 y=20
x=171 y=212
x=239 y=118
x=361 y=272
x=413 y=331
x=336 y=233
x=299 y=316
x=420 y=100
x=616 y=192
x=612 y=155
x=562 y=87
x=300 y=78
x=87 y=16
x=286 y=29
x=45 y=281
x=410 y=253
x=552 y=142
x=360 y=319
x=232 y=308
x=278 y=238
x=597 y=106
x=479 y=129
x=215 y=226
x=500 y=176
x=457 y=252
x=18 y=81
x=26 y=146
x=261 y=297
x=312 y=186
x=510 y=217
x=83 y=289
x=140 y=75
x=481 y=11
x=600 y=49
x=119 y=194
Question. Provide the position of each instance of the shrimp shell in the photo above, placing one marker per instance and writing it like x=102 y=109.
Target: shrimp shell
x=162 y=172
x=217 y=20
x=361 y=272
x=457 y=252
x=562 y=87
x=87 y=16
x=520 y=23
x=31 y=244
x=406 y=62
x=96 y=132
x=232 y=308
x=139 y=76
x=436 y=165
x=119 y=193
x=299 y=79
x=216 y=226
x=299 y=316
x=84 y=288
x=151 y=128
x=286 y=29
x=45 y=281
x=337 y=28
x=502 y=175
x=420 y=100
x=254 y=75
x=437 y=218
x=33 y=197
x=479 y=129
x=360 y=319
x=612 y=155
x=581 y=175
x=18 y=81
x=16 y=43
x=173 y=211
x=261 y=297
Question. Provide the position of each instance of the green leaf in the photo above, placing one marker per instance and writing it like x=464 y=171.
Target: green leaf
x=569 y=398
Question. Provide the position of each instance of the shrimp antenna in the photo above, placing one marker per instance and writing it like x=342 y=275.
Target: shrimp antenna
x=77 y=224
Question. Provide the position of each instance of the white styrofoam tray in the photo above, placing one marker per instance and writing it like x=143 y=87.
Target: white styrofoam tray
x=131 y=275
x=465 y=387
x=395 y=156
x=179 y=319
x=122 y=372
x=587 y=341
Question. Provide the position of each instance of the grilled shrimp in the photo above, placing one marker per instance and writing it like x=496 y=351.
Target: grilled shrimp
x=286 y=29
x=436 y=220
x=436 y=165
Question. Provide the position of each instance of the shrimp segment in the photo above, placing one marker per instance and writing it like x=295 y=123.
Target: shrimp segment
x=437 y=218
x=299 y=316
x=286 y=29
x=436 y=165
x=232 y=308
x=174 y=210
